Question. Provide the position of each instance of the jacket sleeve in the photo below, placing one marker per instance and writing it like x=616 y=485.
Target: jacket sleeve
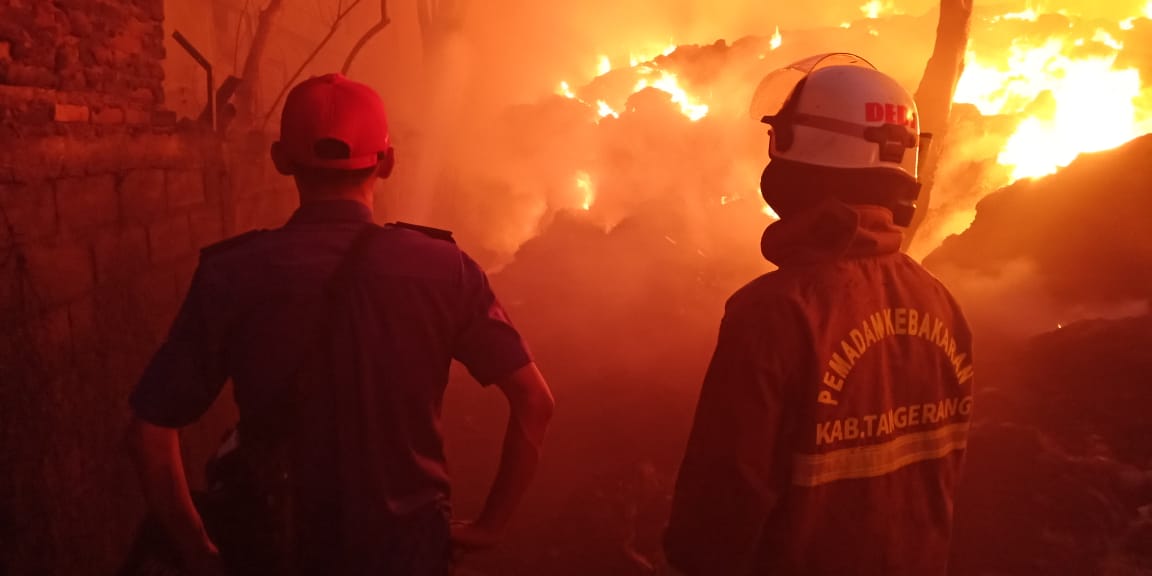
x=734 y=469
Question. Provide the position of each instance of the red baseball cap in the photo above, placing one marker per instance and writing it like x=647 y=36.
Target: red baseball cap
x=330 y=121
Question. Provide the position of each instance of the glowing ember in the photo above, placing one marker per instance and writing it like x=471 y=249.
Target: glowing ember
x=1103 y=37
x=777 y=39
x=767 y=210
x=874 y=8
x=636 y=58
x=1028 y=15
x=1130 y=23
x=604 y=110
x=667 y=83
x=604 y=67
x=565 y=90
x=584 y=184
x=1066 y=105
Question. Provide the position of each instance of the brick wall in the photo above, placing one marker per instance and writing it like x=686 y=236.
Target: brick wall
x=97 y=250
x=105 y=200
x=103 y=56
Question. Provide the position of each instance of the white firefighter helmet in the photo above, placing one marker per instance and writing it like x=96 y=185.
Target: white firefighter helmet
x=838 y=111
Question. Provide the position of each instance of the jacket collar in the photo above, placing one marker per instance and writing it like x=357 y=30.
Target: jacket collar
x=832 y=231
x=331 y=211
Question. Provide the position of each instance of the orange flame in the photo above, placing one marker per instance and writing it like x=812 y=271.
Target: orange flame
x=1028 y=15
x=604 y=110
x=584 y=185
x=668 y=84
x=604 y=66
x=1066 y=105
x=874 y=8
x=637 y=58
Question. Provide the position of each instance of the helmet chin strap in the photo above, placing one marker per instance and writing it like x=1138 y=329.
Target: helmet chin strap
x=904 y=208
x=791 y=188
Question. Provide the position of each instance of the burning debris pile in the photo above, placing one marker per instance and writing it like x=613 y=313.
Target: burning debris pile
x=1038 y=90
x=1083 y=233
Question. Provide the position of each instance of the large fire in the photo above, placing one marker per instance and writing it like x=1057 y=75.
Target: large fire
x=1062 y=89
x=1067 y=92
x=649 y=76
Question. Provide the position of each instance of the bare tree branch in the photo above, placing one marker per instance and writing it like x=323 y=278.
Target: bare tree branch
x=245 y=17
x=936 y=91
x=374 y=30
x=250 y=76
x=323 y=42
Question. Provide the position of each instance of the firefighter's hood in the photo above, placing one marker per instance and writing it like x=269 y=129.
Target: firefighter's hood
x=829 y=232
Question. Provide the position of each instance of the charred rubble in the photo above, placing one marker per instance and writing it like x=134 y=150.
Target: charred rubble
x=1060 y=465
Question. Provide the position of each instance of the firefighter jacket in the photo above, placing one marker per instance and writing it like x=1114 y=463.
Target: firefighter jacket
x=833 y=419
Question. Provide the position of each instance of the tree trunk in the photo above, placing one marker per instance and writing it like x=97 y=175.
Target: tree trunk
x=934 y=96
x=438 y=19
x=247 y=93
x=445 y=71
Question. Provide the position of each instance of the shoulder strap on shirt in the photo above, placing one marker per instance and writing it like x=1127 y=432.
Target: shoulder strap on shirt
x=437 y=233
x=272 y=463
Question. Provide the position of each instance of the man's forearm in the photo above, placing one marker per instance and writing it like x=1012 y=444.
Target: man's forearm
x=530 y=405
x=518 y=461
x=156 y=452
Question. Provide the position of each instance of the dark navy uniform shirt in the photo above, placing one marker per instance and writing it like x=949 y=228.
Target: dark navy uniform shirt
x=250 y=316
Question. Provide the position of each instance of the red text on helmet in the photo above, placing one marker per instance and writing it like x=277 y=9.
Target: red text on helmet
x=897 y=114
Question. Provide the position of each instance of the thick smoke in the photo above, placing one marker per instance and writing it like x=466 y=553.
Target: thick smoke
x=503 y=158
x=532 y=45
x=499 y=162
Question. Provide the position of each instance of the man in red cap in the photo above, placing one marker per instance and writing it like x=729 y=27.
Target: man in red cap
x=338 y=335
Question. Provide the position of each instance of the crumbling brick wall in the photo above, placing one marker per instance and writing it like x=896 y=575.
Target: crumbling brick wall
x=105 y=200
x=97 y=250
x=104 y=55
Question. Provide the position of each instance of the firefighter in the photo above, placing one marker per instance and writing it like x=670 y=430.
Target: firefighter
x=338 y=335
x=832 y=421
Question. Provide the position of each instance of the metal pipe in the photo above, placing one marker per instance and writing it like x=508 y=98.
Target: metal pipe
x=207 y=66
